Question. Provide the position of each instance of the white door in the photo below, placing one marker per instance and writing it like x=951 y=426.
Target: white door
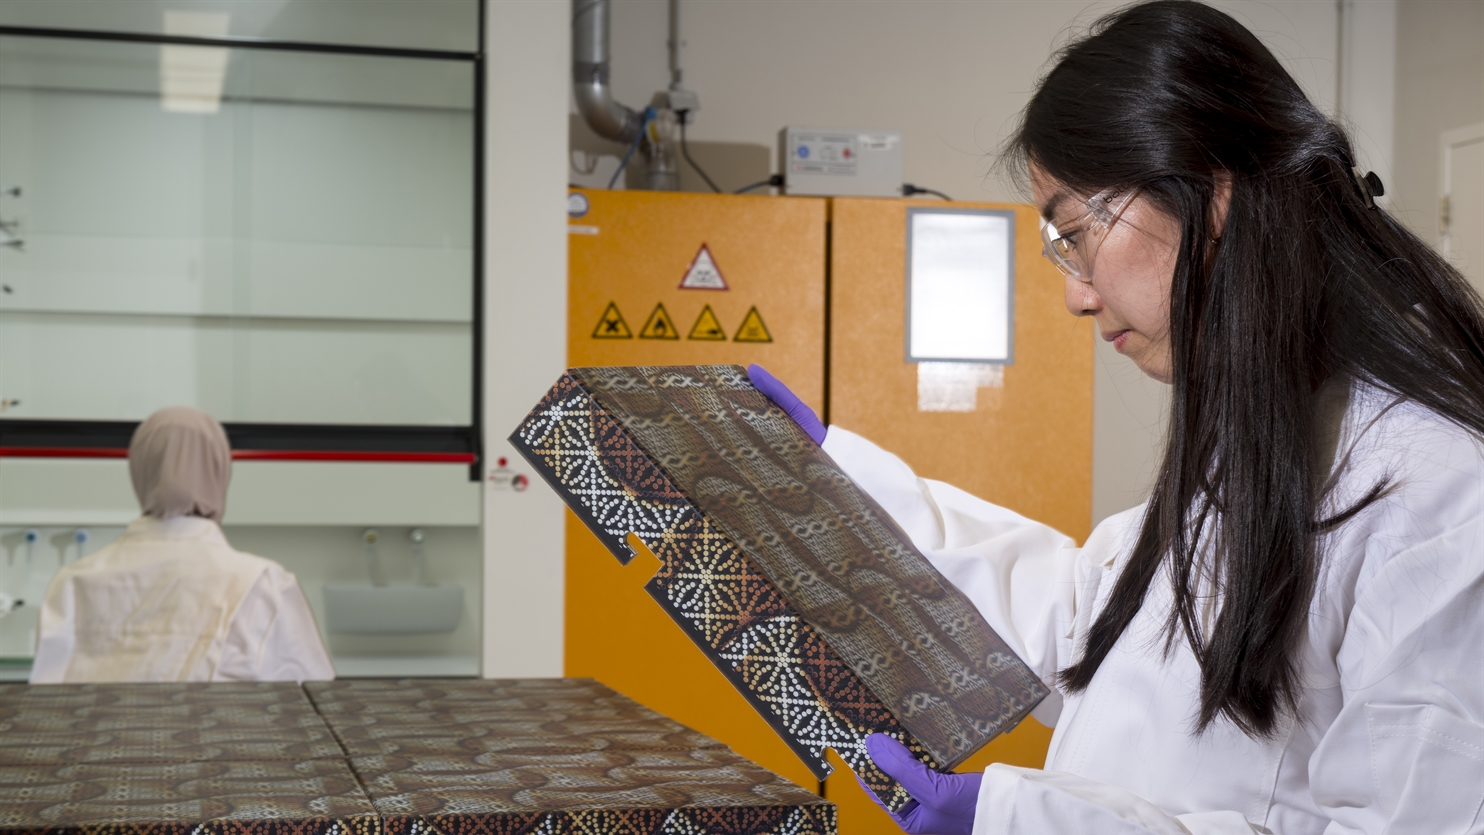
x=1462 y=215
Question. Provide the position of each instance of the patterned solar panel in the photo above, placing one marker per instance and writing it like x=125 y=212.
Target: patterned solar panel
x=795 y=583
x=550 y=757
x=173 y=759
x=408 y=757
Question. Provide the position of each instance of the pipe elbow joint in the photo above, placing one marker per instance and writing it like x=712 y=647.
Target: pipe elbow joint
x=607 y=117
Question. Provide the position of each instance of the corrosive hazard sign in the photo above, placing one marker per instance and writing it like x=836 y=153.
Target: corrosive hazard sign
x=611 y=325
x=707 y=327
x=659 y=325
x=753 y=329
x=703 y=274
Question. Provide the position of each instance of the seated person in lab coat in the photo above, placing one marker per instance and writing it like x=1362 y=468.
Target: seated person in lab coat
x=170 y=600
x=1286 y=638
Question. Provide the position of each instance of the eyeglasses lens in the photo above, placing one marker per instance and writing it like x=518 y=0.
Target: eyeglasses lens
x=1059 y=250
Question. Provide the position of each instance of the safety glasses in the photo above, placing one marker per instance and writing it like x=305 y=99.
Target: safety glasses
x=1073 y=251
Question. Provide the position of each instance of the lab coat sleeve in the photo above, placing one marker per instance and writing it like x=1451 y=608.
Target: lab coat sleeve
x=1019 y=801
x=1024 y=577
x=273 y=636
x=54 y=636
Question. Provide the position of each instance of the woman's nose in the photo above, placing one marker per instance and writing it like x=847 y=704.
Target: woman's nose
x=1081 y=298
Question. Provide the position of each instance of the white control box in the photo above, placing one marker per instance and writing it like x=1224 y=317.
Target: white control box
x=830 y=162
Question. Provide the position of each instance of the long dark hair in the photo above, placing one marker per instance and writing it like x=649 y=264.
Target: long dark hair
x=1308 y=280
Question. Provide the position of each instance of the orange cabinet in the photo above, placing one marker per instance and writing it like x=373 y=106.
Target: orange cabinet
x=816 y=291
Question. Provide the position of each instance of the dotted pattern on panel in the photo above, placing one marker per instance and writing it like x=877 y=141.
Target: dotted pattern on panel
x=602 y=477
x=763 y=820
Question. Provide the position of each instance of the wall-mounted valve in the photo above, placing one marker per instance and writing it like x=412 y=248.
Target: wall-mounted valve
x=373 y=560
x=424 y=577
x=10 y=231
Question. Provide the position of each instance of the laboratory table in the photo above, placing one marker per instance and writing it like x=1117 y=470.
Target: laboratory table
x=365 y=757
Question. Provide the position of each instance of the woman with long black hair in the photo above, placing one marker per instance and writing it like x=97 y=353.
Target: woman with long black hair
x=1287 y=637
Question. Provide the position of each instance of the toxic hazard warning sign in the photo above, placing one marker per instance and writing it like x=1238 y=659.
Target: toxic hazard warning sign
x=753 y=329
x=611 y=325
x=703 y=274
x=659 y=325
x=707 y=327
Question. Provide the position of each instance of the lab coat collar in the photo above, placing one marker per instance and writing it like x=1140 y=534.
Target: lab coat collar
x=176 y=527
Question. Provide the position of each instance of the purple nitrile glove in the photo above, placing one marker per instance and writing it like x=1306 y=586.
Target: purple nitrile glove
x=942 y=804
x=788 y=401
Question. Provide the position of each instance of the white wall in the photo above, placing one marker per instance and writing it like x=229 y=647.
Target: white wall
x=529 y=75
x=1367 y=83
x=1439 y=86
x=952 y=76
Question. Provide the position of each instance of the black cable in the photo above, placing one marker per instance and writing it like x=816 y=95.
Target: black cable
x=908 y=190
x=776 y=181
x=685 y=151
x=649 y=113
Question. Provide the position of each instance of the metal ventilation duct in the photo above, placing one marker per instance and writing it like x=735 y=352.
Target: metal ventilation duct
x=590 y=74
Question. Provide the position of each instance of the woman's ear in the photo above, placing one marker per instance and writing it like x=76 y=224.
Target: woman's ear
x=1221 y=200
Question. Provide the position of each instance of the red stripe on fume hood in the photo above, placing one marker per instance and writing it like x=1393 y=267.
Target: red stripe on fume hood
x=253 y=455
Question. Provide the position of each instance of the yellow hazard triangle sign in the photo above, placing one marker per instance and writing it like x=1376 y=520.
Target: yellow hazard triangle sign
x=707 y=327
x=753 y=329
x=703 y=274
x=659 y=325
x=611 y=325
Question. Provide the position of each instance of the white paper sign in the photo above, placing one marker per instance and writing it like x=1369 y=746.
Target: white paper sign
x=959 y=299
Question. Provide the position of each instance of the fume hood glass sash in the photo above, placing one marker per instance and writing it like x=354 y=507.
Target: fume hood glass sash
x=295 y=309
x=429 y=25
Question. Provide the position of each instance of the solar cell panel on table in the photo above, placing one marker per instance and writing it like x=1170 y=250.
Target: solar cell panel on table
x=413 y=757
x=550 y=756
x=63 y=724
x=173 y=759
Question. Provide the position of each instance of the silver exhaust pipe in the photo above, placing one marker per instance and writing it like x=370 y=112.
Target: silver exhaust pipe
x=608 y=118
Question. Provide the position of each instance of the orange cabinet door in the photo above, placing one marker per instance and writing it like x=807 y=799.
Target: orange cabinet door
x=630 y=253
x=1027 y=445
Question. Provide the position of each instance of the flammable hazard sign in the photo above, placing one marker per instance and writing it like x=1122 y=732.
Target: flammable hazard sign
x=659 y=325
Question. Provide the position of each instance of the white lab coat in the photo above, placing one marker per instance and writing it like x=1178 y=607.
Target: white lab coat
x=1390 y=731
x=170 y=600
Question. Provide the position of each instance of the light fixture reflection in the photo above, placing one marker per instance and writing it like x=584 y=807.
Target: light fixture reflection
x=192 y=77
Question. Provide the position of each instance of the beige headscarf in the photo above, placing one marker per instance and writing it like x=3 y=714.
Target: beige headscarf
x=180 y=463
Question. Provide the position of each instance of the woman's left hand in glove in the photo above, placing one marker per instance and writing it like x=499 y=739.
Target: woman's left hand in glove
x=942 y=804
